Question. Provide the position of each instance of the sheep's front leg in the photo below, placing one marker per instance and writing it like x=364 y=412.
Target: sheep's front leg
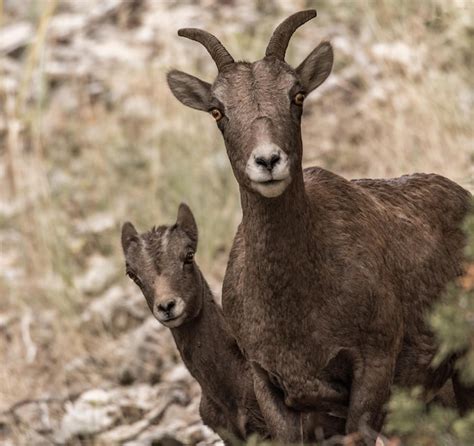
x=372 y=379
x=283 y=423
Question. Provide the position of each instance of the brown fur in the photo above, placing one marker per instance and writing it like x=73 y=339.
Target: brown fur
x=209 y=351
x=328 y=284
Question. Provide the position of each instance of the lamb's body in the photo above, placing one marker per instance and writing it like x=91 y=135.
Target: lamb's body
x=347 y=269
x=161 y=262
x=211 y=354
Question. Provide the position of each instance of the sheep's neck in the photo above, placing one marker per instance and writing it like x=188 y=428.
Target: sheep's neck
x=279 y=233
x=205 y=345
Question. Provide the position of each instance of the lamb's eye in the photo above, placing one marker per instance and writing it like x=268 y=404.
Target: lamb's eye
x=216 y=114
x=189 y=257
x=299 y=98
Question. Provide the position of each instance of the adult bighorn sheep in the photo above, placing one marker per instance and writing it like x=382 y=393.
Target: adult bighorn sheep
x=329 y=280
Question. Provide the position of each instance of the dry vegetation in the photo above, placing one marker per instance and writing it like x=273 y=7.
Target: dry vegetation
x=90 y=136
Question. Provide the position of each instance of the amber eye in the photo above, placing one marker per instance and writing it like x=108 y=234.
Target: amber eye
x=299 y=98
x=216 y=114
x=189 y=257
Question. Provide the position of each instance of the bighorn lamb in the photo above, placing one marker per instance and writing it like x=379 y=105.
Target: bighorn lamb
x=161 y=262
x=328 y=281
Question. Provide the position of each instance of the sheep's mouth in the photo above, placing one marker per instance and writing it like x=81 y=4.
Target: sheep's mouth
x=171 y=320
x=174 y=321
x=269 y=182
x=272 y=187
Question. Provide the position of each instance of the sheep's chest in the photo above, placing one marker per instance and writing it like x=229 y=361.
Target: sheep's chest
x=306 y=384
x=290 y=341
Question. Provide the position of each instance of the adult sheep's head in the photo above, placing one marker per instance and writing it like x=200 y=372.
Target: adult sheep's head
x=258 y=106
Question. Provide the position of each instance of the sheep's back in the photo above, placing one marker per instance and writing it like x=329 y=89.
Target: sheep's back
x=415 y=220
x=431 y=197
x=423 y=215
x=407 y=230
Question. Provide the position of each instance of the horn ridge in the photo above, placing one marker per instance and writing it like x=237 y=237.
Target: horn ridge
x=283 y=32
x=212 y=44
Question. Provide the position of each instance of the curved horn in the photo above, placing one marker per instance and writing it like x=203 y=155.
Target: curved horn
x=282 y=34
x=212 y=44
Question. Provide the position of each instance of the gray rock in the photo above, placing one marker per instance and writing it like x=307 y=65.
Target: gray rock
x=117 y=310
x=14 y=37
x=64 y=26
x=93 y=412
x=145 y=353
x=100 y=273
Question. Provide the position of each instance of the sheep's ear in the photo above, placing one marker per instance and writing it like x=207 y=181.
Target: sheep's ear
x=190 y=90
x=314 y=70
x=187 y=223
x=129 y=235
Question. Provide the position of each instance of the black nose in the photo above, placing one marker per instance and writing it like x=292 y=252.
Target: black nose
x=167 y=306
x=268 y=162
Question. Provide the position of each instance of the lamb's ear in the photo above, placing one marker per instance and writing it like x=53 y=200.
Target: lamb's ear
x=187 y=223
x=129 y=235
x=314 y=70
x=190 y=90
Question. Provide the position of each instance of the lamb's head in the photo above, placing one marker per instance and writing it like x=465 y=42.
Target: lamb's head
x=161 y=263
x=258 y=106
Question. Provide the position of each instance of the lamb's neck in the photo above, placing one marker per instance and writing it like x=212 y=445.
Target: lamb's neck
x=209 y=351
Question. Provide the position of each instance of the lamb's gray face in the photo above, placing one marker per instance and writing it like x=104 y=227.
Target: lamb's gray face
x=161 y=263
x=258 y=106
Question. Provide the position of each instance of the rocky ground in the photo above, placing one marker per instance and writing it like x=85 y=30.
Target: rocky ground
x=90 y=137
